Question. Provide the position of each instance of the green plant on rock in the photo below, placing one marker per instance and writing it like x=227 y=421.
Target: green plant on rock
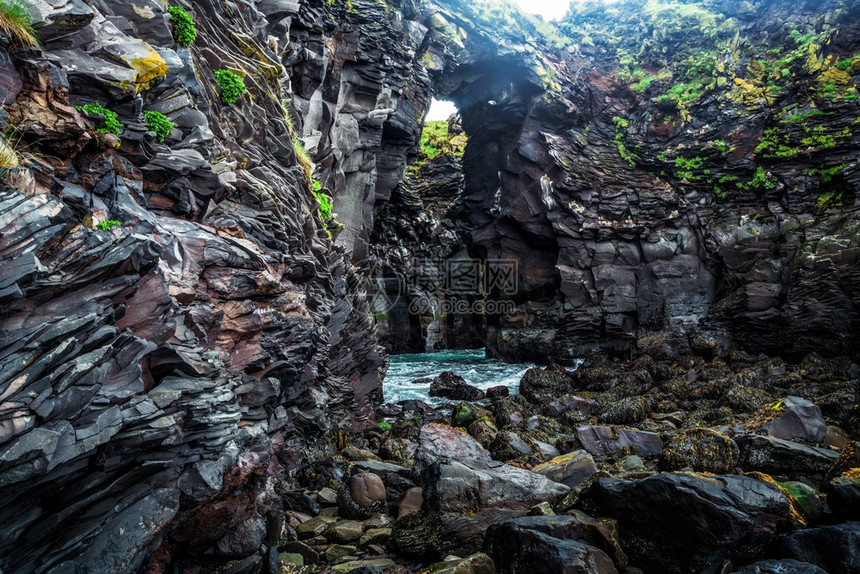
x=628 y=156
x=826 y=174
x=158 y=123
x=232 y=86
x=16 y=22
x=325 y=205
x=184 y=30
x=384 y=426
x=112 y=125
x=832 y=198
x=762 y=180
x=108 y=224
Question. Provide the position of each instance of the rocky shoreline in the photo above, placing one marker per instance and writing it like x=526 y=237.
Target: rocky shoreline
x=662 y=464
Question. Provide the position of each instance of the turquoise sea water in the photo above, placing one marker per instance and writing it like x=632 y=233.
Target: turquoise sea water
x=470 y=364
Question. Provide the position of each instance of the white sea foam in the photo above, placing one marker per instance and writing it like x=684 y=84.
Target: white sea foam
x=472 y=365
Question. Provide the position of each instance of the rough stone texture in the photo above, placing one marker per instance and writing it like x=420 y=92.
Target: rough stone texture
x=552 y=381
x=694 y=520
x=548 y=544
x=703 y=450
x=158 y=378
x=615 y=442
x=469 y=495
x=799 y=419
x=366 y=489
x=571 y=469
x=777 y=456
x=411 y=502
x=440 y=442
x=452 y=386
x=835 y=549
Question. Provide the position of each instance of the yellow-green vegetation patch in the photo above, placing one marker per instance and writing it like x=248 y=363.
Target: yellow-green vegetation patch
x=184 y=30
x=112 y=125
x=232 y=86
x=158 y=123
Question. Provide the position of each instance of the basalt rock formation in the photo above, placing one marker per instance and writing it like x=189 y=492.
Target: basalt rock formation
x=688 y=169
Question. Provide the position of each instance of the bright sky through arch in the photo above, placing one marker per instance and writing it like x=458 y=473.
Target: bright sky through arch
x=549 y=9
x=440 y=110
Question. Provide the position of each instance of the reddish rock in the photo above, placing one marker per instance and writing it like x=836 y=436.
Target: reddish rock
x=367 y=489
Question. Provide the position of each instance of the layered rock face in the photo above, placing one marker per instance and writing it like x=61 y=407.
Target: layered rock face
x=418 y=249
x=175 y=321
x=674 y=168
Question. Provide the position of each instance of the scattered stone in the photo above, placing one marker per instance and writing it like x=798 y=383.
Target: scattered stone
x=472 y=494
x=374 y=536
x=836 y=438
x=367 y=489
x=439 y=442
x=498 y=391
x=509 y=445
x=452 y=386
x=300 y=502
x=694 y=520
x=411 y=503
x=843 y=495
x=835 y=549
x=344 y=531
x=797 y=418
x=478 y=563
x=541 y=509
x=571 y=469
x=335 y=552
x=291 y=558
x=380 y=469
x=484 y=431
x=548 y=544
x=538 y=384
x=314 y=527
x=356 y=454
x=308 y=554
x=630 y=463
x=327 y=496
x=703 y=450
x=614 y=442
x=777 y=456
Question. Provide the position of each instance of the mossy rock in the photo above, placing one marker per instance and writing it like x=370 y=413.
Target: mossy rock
x=415 y=535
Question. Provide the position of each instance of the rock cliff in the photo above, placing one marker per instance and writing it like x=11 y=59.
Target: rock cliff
x=687 y=169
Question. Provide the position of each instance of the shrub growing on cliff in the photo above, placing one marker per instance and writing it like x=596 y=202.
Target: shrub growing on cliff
x=112 y=125
x=158 y=123
x=325 y=205
x=15 y=22
x=232 y=86
x=184 y=30
x=108 y=224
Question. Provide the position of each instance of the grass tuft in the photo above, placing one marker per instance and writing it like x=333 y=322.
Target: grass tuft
x=16 y=22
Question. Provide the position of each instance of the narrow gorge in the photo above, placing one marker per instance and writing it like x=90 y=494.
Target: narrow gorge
x=218 y=220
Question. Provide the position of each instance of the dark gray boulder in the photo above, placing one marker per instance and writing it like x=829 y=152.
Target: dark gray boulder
x=689 y=521
x=551 y=544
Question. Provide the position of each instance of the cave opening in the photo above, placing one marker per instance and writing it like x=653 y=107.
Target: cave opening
x=441 y=268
